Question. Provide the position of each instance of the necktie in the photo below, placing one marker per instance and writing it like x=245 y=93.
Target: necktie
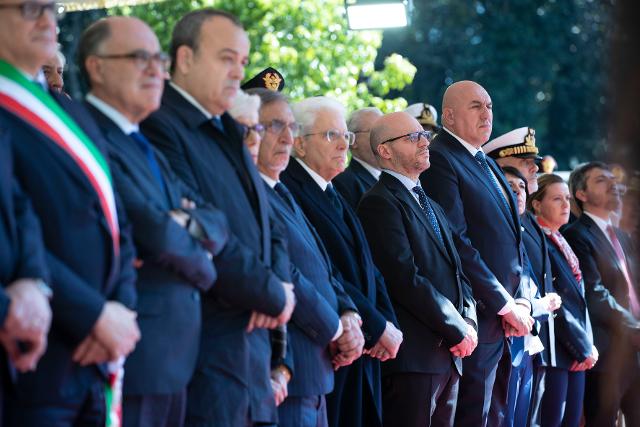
x=146 y=148
x=487 y=170
x=333 y=198
x=634 y=305
x=285 y=194
x=217 y=123
x=428 y=209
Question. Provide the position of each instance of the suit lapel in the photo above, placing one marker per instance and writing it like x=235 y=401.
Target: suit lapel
x=564 y=265
x=362 y=174
x=601 y=239
x=403 y=195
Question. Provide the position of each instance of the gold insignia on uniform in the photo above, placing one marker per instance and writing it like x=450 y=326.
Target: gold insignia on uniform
x=530 y=139
x=426 y=115
x=271 y=81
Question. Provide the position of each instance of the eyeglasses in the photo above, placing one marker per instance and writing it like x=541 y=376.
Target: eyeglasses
x=277 y=127
x=32 y=10
x=257 y=128
x=334 y=135
x=142 y=59
x=413 y=137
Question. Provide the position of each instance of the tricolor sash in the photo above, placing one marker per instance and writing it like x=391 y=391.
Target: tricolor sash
x=28 y=101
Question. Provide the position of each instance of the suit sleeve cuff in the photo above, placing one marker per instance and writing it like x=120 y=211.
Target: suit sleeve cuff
x=507 y=308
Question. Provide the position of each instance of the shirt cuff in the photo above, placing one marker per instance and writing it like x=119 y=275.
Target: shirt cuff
x=508 y=307
x=338 y=332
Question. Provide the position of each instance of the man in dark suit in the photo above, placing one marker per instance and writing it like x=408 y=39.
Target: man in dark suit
x=320 y=153
x=609 y=267
x=60 y=163
x=231 y=385
x=25 y=315
x=482 y=214
x=517 y=149
x=363 y=170
x=175 y=234
x=412 y=245
x=321 y=316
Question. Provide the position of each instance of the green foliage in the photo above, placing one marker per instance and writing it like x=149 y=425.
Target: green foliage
x=308 y=42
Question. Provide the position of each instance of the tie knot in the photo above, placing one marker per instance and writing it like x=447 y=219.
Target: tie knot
x=217 y=123
x=480 y=156
x=418 y=190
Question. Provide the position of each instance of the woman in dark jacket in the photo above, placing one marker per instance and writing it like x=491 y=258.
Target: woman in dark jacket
x=575 y=352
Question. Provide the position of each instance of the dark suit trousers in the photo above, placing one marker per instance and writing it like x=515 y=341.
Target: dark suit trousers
x=84 y=410
x=157 y=410
x=562 y=400
x=482 y=400
x=520 y=387
x=605 y=395
x=419 y=400
x=539 y=374
x=303 y=412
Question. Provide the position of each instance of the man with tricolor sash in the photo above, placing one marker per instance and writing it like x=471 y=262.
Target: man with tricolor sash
x=60 y=163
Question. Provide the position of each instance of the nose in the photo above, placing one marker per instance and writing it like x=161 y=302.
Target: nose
x=237 y=71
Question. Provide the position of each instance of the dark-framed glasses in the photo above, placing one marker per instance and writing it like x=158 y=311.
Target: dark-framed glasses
x=334 y=135
x=257 y=128
x=142 y=59
x=413 y=137
x=277 y=127
x=32 y=10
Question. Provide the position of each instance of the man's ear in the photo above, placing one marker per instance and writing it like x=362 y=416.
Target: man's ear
x=184 y=59
x=447 y=116
x=299 y=147
x=384 y=151
x=93 y=65
x=581 y=195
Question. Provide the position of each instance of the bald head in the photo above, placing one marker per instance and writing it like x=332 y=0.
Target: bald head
x=467 y=112
x=400 y=155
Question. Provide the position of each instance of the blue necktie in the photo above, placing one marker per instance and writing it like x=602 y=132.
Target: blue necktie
x=146 y=148
x=333 y=198
x=217 y=123
x=485 y=167
x=285 y=194
x=428 y=209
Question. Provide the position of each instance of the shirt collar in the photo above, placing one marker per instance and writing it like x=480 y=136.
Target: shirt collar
x=270 y=182
x=470 y=148
x=322 y=183
x=601 y=223
x=186 y=95
x=405 y=180
x=116 y=116
x=372 y=170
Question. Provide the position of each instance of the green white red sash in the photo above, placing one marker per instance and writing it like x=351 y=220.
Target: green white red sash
x=32 y=104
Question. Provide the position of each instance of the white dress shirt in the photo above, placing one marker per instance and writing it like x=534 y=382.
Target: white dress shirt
x=116 y=116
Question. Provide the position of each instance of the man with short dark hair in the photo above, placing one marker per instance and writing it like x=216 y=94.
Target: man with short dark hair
x=412 y=245
x=231 y=385
x=363 y=170
x=610 y=269
x=175 y=232
x=61 y=164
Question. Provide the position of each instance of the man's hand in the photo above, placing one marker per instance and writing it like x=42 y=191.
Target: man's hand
x=588 y=363
x=260 y=320
x=279 y=385
x=90 y=352
x=26 y=356
x=116 y=329
x=517 y=322
x=27 y=322
x=388 y=345
x=29 y=311
x=348 y=347
x=180 y=216
x=468 y=344
x=551 y=302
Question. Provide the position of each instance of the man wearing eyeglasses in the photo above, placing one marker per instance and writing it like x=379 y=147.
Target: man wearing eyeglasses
x=363 y=170
x=321 y=319
x=412 y=245
x=482 y=213
x=319 y=155
x=175 y=232
x=61 y=164
x=231 y=385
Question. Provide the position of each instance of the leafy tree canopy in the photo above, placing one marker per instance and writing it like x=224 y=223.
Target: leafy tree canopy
x=308 y=41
